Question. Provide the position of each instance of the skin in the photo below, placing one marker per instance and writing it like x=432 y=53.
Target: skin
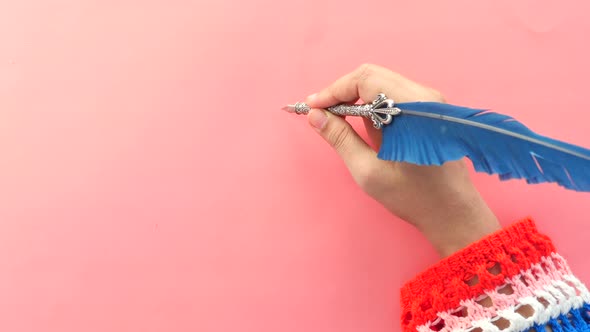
x=441 y=201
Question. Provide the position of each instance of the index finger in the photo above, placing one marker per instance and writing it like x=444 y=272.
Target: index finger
x=366 y=82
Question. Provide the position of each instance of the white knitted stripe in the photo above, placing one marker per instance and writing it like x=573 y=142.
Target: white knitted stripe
x=546 y=280
x=541 y=314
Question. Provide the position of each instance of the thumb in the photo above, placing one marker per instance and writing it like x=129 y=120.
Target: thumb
x=341 y=136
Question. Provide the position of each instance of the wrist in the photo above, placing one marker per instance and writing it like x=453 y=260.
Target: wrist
x=460 y=225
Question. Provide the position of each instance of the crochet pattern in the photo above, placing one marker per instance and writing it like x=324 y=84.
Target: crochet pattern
x=545 y=291
x=512 y=280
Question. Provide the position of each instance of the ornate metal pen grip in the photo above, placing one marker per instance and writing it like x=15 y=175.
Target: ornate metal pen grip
x=381 y=111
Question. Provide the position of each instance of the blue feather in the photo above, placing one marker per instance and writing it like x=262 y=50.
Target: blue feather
x=428 y=133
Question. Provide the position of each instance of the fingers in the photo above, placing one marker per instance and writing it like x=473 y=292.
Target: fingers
x=353 y=150
x=366 y=82
x=349 y=88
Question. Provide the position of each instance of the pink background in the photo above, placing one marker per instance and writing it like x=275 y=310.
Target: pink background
x=150 y=182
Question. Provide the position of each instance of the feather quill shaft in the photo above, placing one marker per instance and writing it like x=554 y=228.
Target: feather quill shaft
x=498 y=130
x=430 y=133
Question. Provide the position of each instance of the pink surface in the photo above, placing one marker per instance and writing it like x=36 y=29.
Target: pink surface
x=140 y=194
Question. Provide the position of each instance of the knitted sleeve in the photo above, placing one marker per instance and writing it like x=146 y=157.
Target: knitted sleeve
x=512 y=280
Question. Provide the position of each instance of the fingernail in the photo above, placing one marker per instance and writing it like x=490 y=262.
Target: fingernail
x=311 y=98
x=318 y=118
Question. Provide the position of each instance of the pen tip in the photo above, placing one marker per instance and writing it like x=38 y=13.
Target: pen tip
x=289 y=108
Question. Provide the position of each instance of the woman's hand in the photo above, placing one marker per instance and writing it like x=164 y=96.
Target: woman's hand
x=441 y=201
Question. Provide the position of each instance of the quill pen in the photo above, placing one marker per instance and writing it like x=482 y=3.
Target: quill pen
x=430 y=133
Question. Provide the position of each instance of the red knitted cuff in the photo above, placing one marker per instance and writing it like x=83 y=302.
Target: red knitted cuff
x=443 y=286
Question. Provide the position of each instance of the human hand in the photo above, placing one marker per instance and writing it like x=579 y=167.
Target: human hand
x=441 y=201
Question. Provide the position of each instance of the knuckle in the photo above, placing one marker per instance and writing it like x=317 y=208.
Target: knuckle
x=365 y=71
x=338 y=137
x=437 y=95
x=367 y=177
